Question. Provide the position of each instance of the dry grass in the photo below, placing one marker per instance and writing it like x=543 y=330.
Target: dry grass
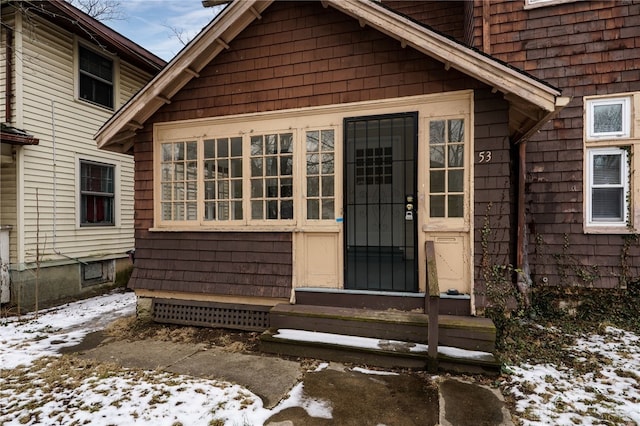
x=129 y=328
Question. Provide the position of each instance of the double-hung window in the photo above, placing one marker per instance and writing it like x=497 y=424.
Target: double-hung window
x=608 y=181
x=95 y=76
x=97 y=194
x=610 y=141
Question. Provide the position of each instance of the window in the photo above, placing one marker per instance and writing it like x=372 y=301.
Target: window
x=179 y=181
x=272 y=176
x=446 y=168
x=223 y=179
x=95 y=78
x=608 y=118
x=320 y=189
x=96 y=194
x=608 y=181
x=611 y=139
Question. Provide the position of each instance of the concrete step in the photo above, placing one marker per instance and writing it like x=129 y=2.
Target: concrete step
x=464 y=332
x=374 y=352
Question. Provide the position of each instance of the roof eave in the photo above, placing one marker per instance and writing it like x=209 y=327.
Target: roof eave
x=186 y=65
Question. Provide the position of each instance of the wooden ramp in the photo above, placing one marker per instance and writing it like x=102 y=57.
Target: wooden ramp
x=382 y=338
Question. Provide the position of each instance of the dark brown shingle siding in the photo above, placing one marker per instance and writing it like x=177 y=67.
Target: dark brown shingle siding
x=227 y=263
x=584 y=48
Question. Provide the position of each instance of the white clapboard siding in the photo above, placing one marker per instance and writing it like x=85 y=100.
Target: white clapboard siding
x=49 y=77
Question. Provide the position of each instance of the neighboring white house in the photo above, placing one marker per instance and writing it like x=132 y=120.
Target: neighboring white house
x=66 y=208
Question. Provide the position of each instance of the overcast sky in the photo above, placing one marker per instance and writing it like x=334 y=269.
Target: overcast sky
x=149 y=23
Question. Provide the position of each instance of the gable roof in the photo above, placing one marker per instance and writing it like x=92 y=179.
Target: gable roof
x=532 y=101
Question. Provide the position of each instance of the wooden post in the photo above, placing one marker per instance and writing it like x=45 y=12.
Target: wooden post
x=433 y=292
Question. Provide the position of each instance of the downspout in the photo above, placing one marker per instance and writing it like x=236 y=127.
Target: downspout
x=522 y=260
x=9 y=75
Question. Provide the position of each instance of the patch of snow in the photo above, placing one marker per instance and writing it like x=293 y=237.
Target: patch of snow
x=314 y=407
x=374 y=372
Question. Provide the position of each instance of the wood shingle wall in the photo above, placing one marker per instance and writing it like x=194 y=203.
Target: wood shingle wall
x=584 y=48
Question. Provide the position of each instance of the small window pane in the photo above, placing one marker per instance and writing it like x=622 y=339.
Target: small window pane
x=328 y=186
x=455 y=207
x=327 y=209
x=272 y=209
x=256 y=145
x=312 y=164
x=313 y=209
x=436 y=181
x=327 y=163
x=286 y=188
x=236 y=147
x=436 y=132
x=256 y=210
x=271 y=144
x=209 y=149
x=223 y=148
x=436 y=157
x=313 y=186
x=436 y=206
x=236 y=168
x=286 y=143
x=328 y=140
x=456 y=181
x=286 y=209
x=271 y=186
x=456 y=130
x=456 y=156
x=271 y=166
x=256 y=188
x=192 y=151
x=312 y=141
x=166 y=152
x=236 y=188
x=256 y=166
x=236 y=208
x=607 y=118
x=286 y=166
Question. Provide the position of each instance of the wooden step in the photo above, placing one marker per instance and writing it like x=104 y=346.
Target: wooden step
x=465 y=332
x=373 y=352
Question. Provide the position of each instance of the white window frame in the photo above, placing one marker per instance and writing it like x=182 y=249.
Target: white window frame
x=625 y=132
x=626 y=140
x=624 y=185
x=533 y=4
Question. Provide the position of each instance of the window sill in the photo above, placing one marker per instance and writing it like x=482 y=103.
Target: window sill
x=615 y=230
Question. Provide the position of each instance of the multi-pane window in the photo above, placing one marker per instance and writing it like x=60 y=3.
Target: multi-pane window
x=320 y=170
x=96 y=194
x=446 y=168
x=179 y=181
x=608 y=180
x=271 y=158
x=223 y=179
x=95 y=77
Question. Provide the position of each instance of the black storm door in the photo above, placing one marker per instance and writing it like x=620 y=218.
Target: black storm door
x=380 y=192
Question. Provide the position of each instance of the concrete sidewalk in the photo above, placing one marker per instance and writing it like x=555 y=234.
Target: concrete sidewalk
x=357 y=398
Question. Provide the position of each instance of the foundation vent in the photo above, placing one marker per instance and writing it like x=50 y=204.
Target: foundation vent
x=211 y=314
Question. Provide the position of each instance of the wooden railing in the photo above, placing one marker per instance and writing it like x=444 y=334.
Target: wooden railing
x=431 y=305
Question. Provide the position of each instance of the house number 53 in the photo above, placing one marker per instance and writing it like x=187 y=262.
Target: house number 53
x=484 y=157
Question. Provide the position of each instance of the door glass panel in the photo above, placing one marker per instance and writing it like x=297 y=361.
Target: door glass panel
x=446 y=168
x=320 y=171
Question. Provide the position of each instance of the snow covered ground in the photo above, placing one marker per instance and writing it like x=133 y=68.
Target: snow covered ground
x=39 y=387
x=603 y=390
